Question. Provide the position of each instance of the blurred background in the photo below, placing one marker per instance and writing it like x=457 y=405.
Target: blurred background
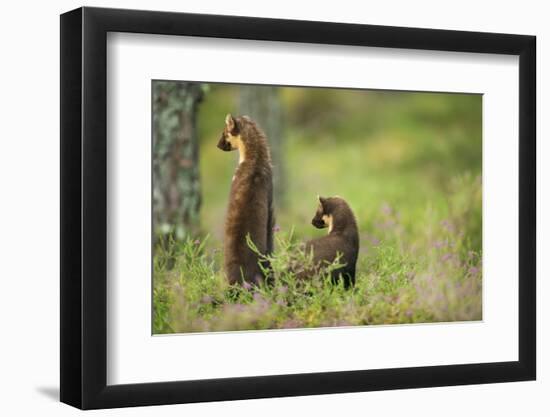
x=380 y=150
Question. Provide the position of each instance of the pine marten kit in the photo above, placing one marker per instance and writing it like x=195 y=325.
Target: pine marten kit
x=342 y=240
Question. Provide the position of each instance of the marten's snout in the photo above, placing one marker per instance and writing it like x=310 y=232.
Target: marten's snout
x=319 y=223
x=224 y=144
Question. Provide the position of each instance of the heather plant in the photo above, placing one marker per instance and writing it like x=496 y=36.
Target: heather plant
x=421 y=271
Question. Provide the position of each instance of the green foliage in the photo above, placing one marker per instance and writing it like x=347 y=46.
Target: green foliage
x=409 y=164
x=370 y=147
x=428 y=276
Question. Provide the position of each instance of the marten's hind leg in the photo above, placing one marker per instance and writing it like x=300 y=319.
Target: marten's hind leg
x=234 y=273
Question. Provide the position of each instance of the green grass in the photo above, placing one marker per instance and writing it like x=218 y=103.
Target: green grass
x=425 y=273
x=410 y=167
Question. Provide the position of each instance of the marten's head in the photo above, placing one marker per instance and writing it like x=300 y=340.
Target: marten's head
x=231 y=138
x=334 y=213
x=243 y=134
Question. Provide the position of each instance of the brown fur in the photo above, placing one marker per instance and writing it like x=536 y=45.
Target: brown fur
x=343 y=238
x=250 y=208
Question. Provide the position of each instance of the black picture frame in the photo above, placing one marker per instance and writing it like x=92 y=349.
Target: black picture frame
x=84 y=207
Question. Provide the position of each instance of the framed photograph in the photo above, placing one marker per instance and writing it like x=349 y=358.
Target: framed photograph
x=259 y=208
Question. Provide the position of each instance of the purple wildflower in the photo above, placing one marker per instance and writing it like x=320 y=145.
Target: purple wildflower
x=446 y=257
x=206 y=299
x=438 y=244
x=197 y=242
x=291 y=324
x=283 y=289
x=239 y=308
x=262 y=305
x=247 y=285
x=447 y=225
x=473 y=270
x=276 y=228
x=258 y=278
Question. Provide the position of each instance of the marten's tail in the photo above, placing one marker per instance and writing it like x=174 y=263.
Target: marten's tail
x=270 y=230
x=269 y=243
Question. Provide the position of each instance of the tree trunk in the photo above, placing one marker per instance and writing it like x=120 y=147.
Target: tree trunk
x=176 y=179
x=263 y=105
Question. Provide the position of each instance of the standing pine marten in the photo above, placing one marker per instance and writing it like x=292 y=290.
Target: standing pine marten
x=342 y=238
x=250 y=209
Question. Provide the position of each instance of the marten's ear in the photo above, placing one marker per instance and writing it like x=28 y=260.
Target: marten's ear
x=322 y=201
x=231 y=123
